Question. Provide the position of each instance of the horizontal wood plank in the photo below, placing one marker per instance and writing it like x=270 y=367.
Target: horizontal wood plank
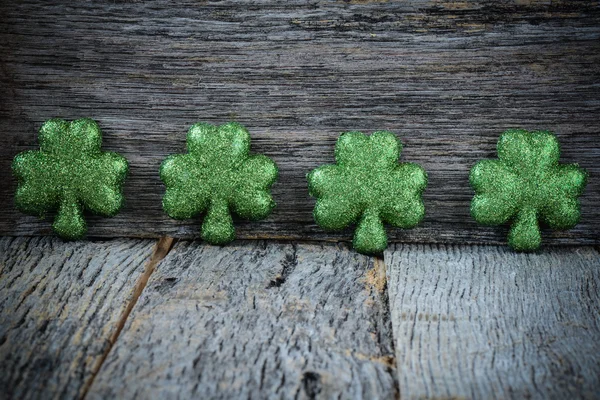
x=448 y=77
x=256 y=320
x=482 y=322
x=60 y=303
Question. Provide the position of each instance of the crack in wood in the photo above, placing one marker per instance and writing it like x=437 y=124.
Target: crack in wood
x=381 y=284
x=288 y=264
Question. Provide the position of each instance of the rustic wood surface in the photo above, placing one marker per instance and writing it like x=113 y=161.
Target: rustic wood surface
x=482 y=322
x=59 y=305
x=256 y=320
x=447 y=76
x=287 y=320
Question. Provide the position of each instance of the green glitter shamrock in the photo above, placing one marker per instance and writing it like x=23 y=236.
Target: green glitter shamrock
x=524 y=184
x=218 y=174
x=368 y=184
x=69 y=173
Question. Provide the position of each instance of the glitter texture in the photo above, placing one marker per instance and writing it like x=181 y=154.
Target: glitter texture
x=69 y=174
x=369 y=186
x=218 y=175
x=527 y=184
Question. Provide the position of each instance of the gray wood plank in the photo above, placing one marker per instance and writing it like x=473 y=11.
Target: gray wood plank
x=484 y=322
x=59 y=305
x=447 y=76
x=256 y=320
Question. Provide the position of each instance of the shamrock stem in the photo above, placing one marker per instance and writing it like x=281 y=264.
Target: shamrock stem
x=370 y=236
x=217 y=227
x=69 y=222
x=525 y=233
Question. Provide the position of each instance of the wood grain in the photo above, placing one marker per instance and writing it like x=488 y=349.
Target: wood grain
x=256 y=320
x=448 y=77
x=484 y=322
x=59 y=305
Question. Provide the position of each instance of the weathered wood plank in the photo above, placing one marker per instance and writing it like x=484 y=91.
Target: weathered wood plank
x=59 y=305
x=447 y=76
x=484 y=322
x=256 y=320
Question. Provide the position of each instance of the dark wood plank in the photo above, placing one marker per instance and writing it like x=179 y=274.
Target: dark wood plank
x=482 y=322
x=447 y=76
x=256 y=320
x=60 y=303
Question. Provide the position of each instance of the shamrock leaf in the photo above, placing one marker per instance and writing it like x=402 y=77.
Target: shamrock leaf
x=218 y=175
x=69 y=174
x=368 y=185
x=525 y=184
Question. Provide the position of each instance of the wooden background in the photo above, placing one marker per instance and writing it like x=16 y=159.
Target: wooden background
x=447 y=76
x=143 y=317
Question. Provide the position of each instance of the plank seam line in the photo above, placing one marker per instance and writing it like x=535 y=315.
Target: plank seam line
x=381 y=266
x=160 y=251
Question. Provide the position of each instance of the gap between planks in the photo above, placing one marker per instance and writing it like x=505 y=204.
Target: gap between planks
x=160 y=251
x=379 y=280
